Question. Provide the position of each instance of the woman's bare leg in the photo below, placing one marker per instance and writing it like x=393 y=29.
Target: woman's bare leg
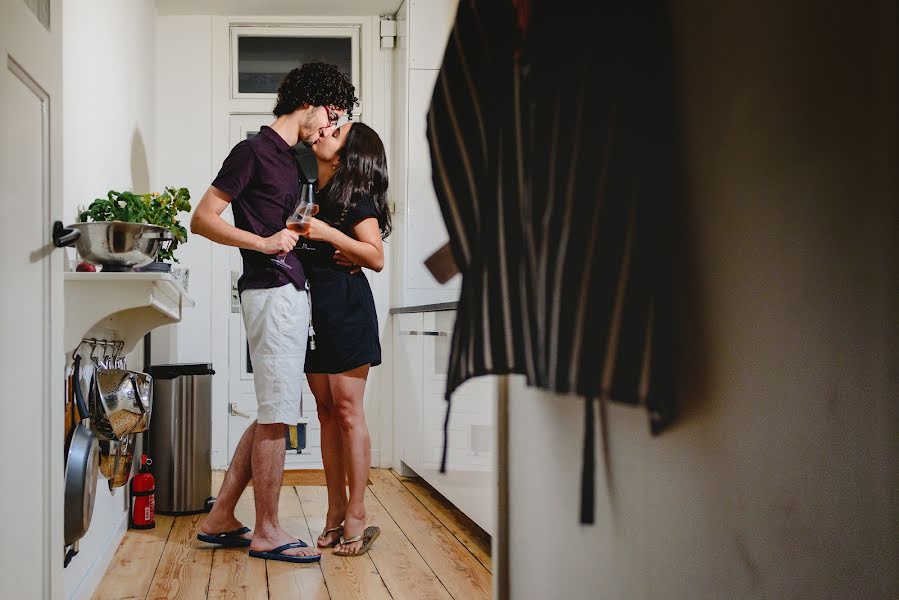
x=347 y=390
x=332 y=456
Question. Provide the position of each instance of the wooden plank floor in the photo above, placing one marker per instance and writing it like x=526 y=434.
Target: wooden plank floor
x=427 y=549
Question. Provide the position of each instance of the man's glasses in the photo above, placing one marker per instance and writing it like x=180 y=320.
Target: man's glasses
x=336 y=120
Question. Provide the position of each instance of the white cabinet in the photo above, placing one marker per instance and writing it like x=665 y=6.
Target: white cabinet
x=422 y=347
x=407 y=384
x=423 y=29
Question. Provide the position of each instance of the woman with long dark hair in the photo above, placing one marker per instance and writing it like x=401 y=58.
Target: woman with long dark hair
x=346 y=236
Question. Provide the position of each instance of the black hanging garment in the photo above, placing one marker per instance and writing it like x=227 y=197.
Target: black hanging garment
x=552 y=136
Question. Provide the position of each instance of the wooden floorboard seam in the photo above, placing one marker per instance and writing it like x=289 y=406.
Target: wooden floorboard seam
x=268 y=587
x=211 y=569
x=376 y=566
x=464 y=545
x=411 y=543
x=312 y=541
x=381 y=577
x=159 y=560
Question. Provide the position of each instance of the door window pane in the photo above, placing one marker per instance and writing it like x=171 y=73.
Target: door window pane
x=263 y=61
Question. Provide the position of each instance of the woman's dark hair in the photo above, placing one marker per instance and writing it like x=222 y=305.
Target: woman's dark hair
x=317 y=84
x=362 y=172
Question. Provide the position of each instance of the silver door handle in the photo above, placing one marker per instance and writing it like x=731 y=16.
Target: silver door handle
x=236 y=412
x=433 y=333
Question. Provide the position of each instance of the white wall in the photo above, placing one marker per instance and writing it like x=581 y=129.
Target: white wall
x=109 y=118
x=108 y=143
x=780 y=479
x=183 y=158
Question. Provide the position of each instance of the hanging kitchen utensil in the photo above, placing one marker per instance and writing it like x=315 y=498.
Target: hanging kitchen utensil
x=70 y=403
x=108 y=450
x=87 y=367
x=117 y=460
x=82 y=461
x=121 y=403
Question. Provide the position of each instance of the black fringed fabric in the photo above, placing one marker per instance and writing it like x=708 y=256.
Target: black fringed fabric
x=553 y=156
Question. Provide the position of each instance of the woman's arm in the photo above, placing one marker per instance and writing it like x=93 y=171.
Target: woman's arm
x=367 y=250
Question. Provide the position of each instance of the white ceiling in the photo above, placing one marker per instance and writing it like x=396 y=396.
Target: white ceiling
x=312 y=8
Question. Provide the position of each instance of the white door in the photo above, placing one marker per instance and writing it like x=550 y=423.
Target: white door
x=31 y=327
x=241 y=393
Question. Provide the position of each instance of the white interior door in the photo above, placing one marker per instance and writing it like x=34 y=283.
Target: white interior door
x=31 y=353
x=241 y=392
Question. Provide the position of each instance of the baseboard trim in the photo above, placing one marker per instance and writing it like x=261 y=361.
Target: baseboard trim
x=94 y=575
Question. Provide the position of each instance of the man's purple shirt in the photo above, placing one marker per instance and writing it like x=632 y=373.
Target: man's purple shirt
x=261 y=177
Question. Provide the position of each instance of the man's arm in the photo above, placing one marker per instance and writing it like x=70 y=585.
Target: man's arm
x=207 y=221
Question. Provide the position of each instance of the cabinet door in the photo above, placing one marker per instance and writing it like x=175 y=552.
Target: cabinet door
x=425 y=229
x=407 y=384
x=472 y=417
x=469 y=482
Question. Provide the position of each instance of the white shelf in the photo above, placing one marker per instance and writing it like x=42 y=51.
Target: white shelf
x=130 y=304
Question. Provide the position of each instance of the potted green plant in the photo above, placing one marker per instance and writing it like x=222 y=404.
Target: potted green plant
x=153 y=209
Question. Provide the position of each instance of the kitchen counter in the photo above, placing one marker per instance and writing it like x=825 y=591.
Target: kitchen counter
x=401 y=310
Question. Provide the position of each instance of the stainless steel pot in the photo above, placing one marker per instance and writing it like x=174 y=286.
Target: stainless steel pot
x=119 y=246
x=121 y=402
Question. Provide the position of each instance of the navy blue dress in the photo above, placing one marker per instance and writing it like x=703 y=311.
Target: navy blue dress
x=343 y=308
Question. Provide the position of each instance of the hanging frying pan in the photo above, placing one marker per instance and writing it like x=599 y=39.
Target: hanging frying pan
x=82 y=461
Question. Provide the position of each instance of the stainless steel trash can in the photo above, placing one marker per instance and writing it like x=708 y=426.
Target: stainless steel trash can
x=180 y=437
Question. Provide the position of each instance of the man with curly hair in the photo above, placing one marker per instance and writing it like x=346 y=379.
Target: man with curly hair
x=259 y=180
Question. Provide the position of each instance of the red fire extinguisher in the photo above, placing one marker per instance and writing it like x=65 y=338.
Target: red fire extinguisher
x=143 y=497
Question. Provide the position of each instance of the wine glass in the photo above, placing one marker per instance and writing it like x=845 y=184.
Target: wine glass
x=300 y=220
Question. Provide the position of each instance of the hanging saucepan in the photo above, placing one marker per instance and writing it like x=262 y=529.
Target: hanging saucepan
x=82 y=461
x=121 y=403
x=143 y=383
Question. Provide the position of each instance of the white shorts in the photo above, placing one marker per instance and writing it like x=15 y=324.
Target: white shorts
x=277 y=325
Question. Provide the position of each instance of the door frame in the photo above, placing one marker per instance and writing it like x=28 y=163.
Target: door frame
x=375 y=67
x=41 y=71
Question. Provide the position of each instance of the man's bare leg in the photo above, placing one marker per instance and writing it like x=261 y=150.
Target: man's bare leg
x=221 y=518
x=268 y=473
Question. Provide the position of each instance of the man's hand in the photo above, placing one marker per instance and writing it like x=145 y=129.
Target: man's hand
x=343 y=261
x=281 y=243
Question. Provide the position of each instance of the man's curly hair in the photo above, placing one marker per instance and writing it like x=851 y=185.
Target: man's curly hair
x=318 y=84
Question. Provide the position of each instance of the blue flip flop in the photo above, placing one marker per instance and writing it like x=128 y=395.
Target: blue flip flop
x=278 y=553
x=229 y=539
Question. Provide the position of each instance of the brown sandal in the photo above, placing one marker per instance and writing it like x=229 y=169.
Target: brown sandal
x=338 y=529
x=367 y=538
